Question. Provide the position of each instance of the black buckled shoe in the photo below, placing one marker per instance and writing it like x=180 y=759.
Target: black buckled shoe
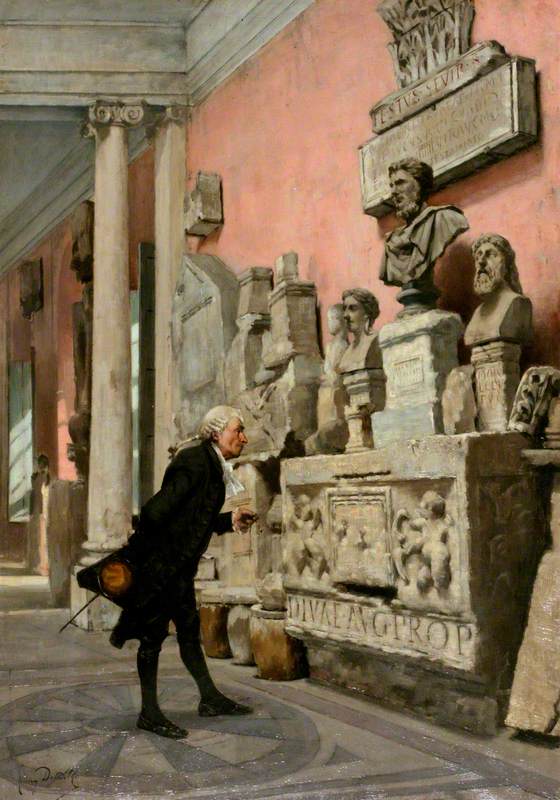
x=222 y=706
x=163 y=727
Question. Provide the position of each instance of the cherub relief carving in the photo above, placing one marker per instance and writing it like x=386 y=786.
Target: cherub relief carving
x=425 y=535
x=307 y=554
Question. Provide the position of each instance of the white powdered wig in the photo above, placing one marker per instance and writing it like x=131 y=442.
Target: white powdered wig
x=216 y=420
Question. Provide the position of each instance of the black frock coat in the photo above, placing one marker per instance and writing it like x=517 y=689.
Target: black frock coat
x=174 y=530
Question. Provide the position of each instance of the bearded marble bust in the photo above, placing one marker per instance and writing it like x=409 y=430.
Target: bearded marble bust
x=412 y=249
x=504 y=313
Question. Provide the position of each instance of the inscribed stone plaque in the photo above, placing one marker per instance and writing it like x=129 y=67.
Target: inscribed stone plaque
x=486 y=120
x=379 y=627
x=360 y=528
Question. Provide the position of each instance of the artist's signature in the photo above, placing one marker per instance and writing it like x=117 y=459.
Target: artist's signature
x=45 y=776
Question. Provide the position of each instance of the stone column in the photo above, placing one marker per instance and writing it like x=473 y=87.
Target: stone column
x=170 y=178
x=110 y=485
x=497 y=374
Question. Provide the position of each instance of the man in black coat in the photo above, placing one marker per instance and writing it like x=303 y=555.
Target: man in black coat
x=174 y=530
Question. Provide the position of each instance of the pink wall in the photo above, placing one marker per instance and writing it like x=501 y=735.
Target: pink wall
x=283 y=132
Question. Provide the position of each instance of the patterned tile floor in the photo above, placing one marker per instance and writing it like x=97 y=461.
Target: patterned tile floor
x=68 y=705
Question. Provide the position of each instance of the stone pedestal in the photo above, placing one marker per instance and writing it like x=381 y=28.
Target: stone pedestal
x=278 y=656
x=293 y=311
x=66 y=531
x=213 y=629
x=366 y=392
x=239 y=634
x=244 y=357
x=497 y=374
x=409 y=570
x=418 y=353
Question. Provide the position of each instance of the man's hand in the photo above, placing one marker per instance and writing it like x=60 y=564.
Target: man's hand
x=242 y=519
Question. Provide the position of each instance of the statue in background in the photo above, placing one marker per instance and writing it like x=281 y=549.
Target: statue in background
x=361 y=367
x=412 y=249
x=332 y=430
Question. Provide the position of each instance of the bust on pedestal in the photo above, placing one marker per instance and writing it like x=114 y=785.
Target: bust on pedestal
x=501 y=324
x=361 y=367
x=412 y=249
x=420 y=347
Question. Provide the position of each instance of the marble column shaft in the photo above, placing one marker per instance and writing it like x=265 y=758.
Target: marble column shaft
x=170 y=177
x=110 y=484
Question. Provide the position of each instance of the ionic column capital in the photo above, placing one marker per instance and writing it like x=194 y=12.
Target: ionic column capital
x=163 y=116
x=104 y=113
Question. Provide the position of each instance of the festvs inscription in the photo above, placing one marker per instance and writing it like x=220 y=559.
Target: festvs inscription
x=444 y=640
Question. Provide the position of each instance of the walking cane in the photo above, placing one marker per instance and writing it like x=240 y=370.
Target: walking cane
x=95 y=596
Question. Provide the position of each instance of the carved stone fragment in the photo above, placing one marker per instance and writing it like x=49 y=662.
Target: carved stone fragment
x=306 y=556
x=477 y=124
x=537 y=389
x=427 y=34
x=535 y=694
x=203 y=206
x=424 y=534
x=458 y=401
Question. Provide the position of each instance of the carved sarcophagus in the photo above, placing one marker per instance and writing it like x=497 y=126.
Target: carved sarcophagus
x=408 y=570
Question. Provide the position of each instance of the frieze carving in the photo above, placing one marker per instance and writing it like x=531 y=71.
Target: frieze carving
x=424 y=534
x=361 y=536
x=307 y=553
x=538 y=387
x=427 y=34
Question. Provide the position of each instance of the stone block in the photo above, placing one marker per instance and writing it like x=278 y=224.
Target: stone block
x=496 y=369
x=255 y=285
x=213 y=630
x=458 y=401
x=203 y=206
x=535 y=694
x=418 y=354
x=488 y=119
x=458 y=72
x=423 y=553
x=278 y=656
x=202 y=330
x=441 y=696
x=66 y=531
x=239 y=634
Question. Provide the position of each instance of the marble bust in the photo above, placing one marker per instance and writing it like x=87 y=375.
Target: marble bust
x=361 y=309
x=338 y=345
x=504 y=313
x=412 y=249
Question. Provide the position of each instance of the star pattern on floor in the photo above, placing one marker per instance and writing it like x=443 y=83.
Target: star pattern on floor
x=85 y=737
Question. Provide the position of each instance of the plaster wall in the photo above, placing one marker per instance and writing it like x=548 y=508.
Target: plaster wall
x=284 y=133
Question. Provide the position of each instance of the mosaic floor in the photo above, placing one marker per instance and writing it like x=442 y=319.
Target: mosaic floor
x=68 y=706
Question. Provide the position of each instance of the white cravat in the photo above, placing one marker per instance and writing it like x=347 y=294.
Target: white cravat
x=232 y=483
